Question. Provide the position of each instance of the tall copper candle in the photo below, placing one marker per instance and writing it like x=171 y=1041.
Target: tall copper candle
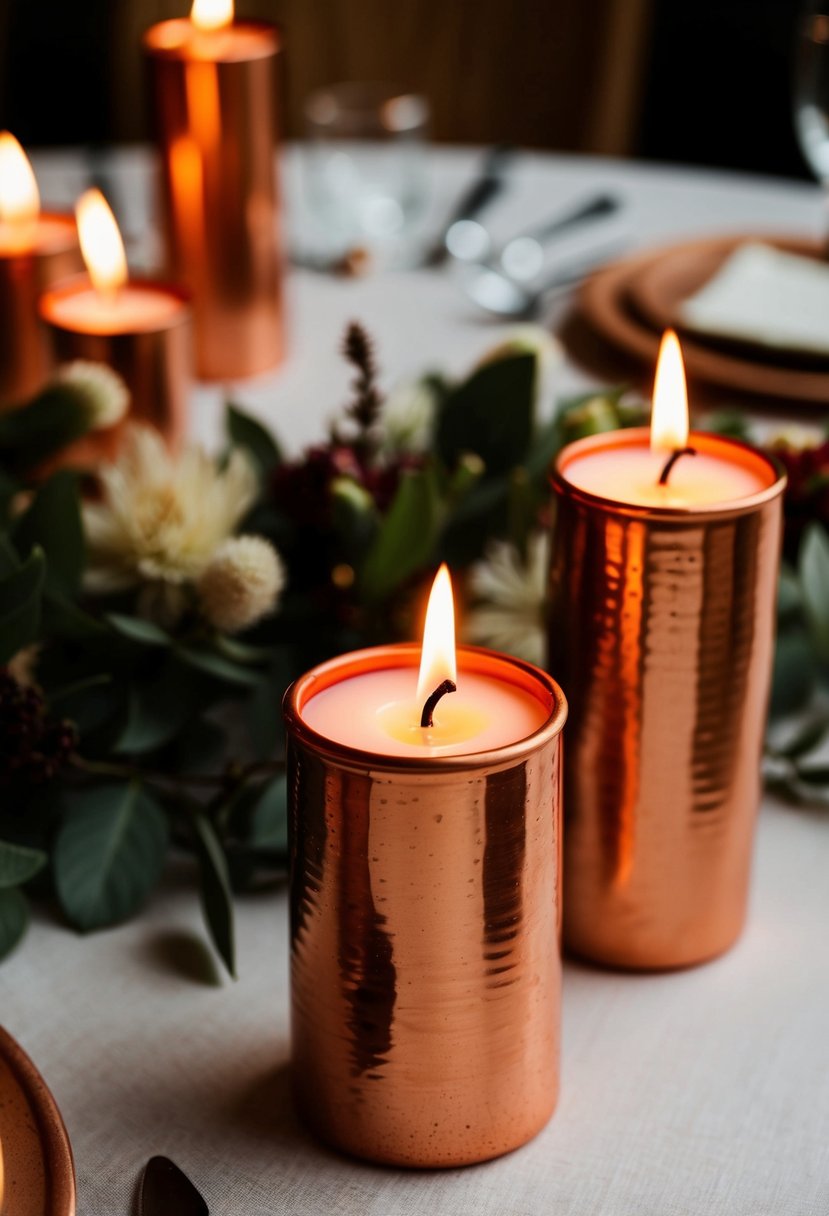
x=36 y=250
x=212 y=84
x=425 y=899
x=662 y=632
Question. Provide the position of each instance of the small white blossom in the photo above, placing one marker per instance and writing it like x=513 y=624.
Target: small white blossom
x=241 y=583
x=100 y=391
x=511 y=595
x=408 y=417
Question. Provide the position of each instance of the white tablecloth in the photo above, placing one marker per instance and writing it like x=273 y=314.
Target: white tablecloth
x=702 y=1092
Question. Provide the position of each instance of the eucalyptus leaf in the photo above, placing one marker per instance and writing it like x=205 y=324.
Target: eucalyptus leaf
x=215 y=665
x=20 y=606
x=18 y=864
x=45 y=425
x=246 y=432
x=793 y=673
x=804 y=740
x=269 y=817
x=407 y=535
x=157 y=709
x=814 y=775
x=789 y=598
x=216 y=894
x=813 y=572
x=108 y=854
x=146 y=633
x=52 y=522
x=14 y=918
x=491 y=413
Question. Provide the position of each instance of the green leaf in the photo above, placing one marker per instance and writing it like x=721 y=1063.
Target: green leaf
x=20 y=600
x=246 y=432
x=14 y=917
x=813 y=572
x=216 y=895
x=108 y=854
x=156 y=711
x=219 y=668
x=53 y=522
x=491 y=413
x=793 y=673
x=269 y=817
x=805 y=740
x=28 y=435
x=18 y=864
x=814 y=775
x=789 y=599
x=138 y=630
x=407 y=535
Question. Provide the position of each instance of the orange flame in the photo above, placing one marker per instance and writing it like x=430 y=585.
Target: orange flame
x=437 y=656
x=101 y=244
x=211 y=14
x=19 y=197
x=669 y=418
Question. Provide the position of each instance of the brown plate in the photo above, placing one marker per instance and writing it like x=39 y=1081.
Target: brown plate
x=36 y=1173
x=609 y=303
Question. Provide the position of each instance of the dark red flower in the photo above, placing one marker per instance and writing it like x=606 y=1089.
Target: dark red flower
x=34 y=746
x=807 y=492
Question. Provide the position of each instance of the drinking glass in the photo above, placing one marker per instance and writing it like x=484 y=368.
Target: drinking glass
x=365 y=170
x=811 y=88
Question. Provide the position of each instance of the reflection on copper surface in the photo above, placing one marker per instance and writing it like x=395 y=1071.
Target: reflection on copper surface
x=662 y=634
x=425 y=959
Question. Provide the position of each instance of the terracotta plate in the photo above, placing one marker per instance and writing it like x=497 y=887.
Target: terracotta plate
x=632 y=301
x=36 y=1173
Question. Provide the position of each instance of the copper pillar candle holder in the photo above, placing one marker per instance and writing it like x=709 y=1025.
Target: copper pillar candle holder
x=155 y=361
x=213 y=98
x=26 y=358
x=662 y=633
x=425 y=898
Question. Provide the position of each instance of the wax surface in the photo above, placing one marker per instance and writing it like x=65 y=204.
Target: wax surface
x=232 y=43
x=375 y=710
x=134 y=309
x=47 y=234
x=630 y=474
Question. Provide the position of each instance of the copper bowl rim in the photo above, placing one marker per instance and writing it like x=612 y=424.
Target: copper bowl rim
x=695 y=513
x=67 y=220
x=407 y=654
x=181 y=53
x=67 y=287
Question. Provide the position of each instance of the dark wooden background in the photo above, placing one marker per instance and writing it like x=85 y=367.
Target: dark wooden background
x=703 y=81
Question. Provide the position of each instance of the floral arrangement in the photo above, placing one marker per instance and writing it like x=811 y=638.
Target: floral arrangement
x=153 y=608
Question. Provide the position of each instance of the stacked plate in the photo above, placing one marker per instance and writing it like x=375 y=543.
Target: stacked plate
x=632 y=301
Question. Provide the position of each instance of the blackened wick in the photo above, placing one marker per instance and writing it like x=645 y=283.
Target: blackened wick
x=426 y=718
x=671 y=461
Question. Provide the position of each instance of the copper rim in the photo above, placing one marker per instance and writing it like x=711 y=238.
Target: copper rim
x=632 y=437
x=407 y=654
x=68 y=287
x=154 y=44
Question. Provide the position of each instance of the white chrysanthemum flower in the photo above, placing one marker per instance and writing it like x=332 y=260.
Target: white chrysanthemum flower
x=241 y=583
x=161 y=518
x=100 y=391
x=511 y=596
x=409 y=416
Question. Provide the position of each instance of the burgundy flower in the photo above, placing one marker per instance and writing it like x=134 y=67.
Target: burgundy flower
x=34 y=746
x=807 y=492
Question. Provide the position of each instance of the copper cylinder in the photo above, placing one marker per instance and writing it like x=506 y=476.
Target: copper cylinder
x=26 y=358
x=213 y=100
x=662 y=632
x=155 y=362
x=425 y=932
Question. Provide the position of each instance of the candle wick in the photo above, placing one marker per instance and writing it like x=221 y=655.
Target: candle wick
x=671 y=461
x=426 y=718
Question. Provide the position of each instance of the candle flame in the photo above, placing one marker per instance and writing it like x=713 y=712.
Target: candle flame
x=19 y=198
x=101 y=244
x=669 y=418
x=437 y=655
x=211 y=14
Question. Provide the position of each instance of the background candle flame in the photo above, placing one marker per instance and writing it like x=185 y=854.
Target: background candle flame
x=437 y=655
x=19 y=197
x=211 y=14
x=101 y=244
x=669 y=418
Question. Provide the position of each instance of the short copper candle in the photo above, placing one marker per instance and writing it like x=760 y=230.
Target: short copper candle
x=139 y=327
x=36 y=250
x=662 y=633
x=425 y=895
x=212 y=87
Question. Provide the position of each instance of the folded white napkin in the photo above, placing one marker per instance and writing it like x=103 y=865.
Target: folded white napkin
x=766 y=296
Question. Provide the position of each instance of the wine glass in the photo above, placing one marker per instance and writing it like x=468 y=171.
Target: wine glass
x=811 y=88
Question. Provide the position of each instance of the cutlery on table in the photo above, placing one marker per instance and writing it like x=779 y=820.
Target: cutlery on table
x=522 y=256
x=462 y=228
x=167 y=1191
x=498 y=293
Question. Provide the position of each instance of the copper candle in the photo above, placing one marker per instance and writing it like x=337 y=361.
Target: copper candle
x=139 y=327
x=36 y=249
x=662 y=632
x=212 y=84
x=425 y=899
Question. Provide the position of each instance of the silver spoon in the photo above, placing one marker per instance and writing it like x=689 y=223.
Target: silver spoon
x=503 y=296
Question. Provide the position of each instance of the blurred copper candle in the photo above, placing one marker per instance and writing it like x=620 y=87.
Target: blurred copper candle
x=662 y=632
x=426 y=967
x=138 y=326
x=36 y=249
x=212 y=83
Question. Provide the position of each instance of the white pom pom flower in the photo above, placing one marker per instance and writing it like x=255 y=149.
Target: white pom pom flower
x=241 y=584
